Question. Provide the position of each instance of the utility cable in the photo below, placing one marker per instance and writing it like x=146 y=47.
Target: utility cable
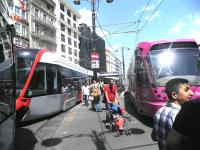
x=151 y=15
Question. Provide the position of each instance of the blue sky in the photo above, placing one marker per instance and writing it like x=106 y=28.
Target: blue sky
x=158 y=19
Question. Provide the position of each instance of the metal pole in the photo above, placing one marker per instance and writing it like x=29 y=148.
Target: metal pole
x=123 y=62
x=93 y=24
x=93 y=35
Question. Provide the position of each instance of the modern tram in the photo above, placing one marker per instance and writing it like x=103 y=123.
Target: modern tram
x=46 y=84
x=7 y=76
x=155 y=63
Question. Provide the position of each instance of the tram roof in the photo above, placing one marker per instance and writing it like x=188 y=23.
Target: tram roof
x=53 y=58
x=147 y=45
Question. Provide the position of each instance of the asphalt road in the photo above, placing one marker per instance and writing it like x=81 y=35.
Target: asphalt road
x=82 y=129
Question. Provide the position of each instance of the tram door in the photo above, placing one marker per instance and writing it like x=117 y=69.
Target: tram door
x=7 y=100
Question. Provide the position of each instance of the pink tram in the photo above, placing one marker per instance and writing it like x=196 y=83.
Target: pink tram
x=46 y=84
x=155 y=63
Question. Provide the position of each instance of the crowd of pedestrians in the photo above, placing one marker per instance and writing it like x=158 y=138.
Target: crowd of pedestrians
x=99 y=92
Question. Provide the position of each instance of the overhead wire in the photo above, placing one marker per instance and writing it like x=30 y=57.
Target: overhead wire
x=155 y=10
x=137 y=34
x=104 y=33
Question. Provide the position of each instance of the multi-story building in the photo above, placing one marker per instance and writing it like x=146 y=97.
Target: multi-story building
x=86 y=48
x=34 y=23
x=47 y=24
x=112 y=62
x=42 y=24
x=20 y=14
x=67 y=31
x=85 y=45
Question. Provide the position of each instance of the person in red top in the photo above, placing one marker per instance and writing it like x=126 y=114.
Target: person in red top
x=112 y=97
x=111 y=93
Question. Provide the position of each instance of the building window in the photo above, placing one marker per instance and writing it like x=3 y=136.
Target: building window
x=69 y=21
x=69 y=31
x=75 y=53
x=76 y=61
x=62 y=7
x=75 y=35
x=36 y=13
x=63 y=56
x=68 y=12
x=24 y=30
x=24 y=15
x=62 y=37
x=70 y=59
x=62 y=16
x=69 y=51
x=63 y=48
x=62 y=27
x=37 y=29
x=75 y=44
x=74 y=25
x=45 y=18
x=69 y=41
x=74 y=17
x=17 y=11
x=17 y=26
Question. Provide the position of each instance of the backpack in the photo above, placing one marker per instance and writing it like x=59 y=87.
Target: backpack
x=95 y=91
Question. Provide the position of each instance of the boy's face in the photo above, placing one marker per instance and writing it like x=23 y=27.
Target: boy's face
x=184 y=94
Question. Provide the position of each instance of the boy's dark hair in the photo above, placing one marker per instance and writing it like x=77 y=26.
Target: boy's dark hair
x=173 y=86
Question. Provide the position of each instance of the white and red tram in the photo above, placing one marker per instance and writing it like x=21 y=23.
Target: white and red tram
x=46 y=84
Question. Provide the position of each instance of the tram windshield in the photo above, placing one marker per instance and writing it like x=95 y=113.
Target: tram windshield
x=166 y=64
x=24 y=61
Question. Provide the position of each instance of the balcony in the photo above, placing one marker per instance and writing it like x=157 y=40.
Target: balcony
x=44 y=22
x=44 y=37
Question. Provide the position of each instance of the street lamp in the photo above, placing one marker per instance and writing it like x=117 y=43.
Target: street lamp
x=93 y=2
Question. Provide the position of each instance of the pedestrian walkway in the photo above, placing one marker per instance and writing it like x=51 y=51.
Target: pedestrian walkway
x=83 y=129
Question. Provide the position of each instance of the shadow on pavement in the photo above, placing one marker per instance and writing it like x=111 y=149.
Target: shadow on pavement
x=28 y=142
x=130 y=108
x=51 y=142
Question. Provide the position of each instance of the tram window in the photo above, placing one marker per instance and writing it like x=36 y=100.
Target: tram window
x=51 y=77
x=67 y=84
x=37 y=84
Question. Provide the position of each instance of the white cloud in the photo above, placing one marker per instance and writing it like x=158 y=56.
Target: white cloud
x=86 y=16
x=196 y=21
x=195 y=34
x=155 y=15
x=176 y=29
x=188 y=27
x=144 y=9
x=102 y=33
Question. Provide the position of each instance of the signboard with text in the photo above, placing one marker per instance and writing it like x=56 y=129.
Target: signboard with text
x=94 y=60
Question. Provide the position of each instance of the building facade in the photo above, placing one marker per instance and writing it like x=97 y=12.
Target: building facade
x=21 y=19
x=47 y=24
x=67 y=31
x=113 y=63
